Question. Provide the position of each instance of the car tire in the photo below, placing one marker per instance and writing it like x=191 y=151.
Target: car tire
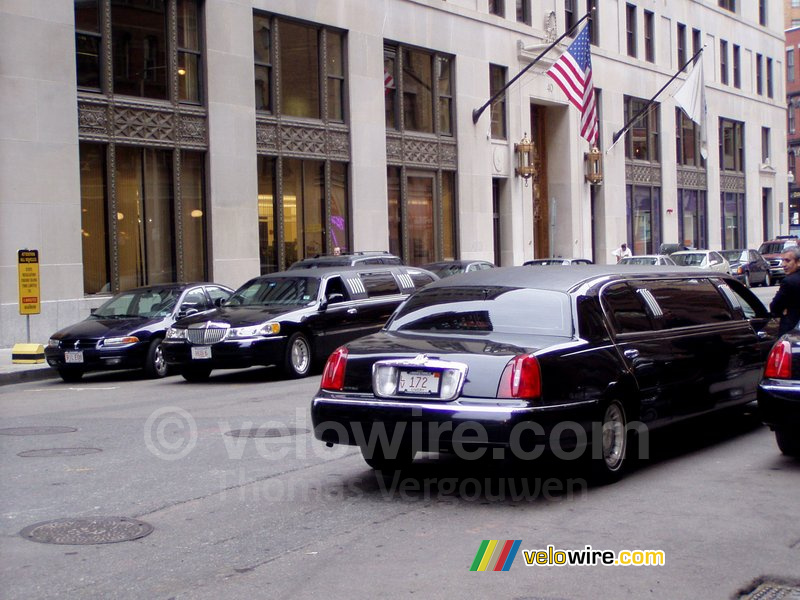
x=196 y=374
x=788 y=442
x=155 y=366
x=609 y=454
x=378 y=460
x=747 y=282
x=298 y=357
x=70 y=375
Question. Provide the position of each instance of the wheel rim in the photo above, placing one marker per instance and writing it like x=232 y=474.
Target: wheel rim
x=614 y=436
x=158 y=361
x=301 y=357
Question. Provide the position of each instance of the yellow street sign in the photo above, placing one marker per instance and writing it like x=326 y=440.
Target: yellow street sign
x=29 y=296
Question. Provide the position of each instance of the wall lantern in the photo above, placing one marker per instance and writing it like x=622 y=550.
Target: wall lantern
x=594 y=166
x=526 y=155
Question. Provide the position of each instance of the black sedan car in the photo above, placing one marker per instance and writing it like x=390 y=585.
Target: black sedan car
x=520 y=360
x=779 y=393
x=290 y=319
x=126 y=331
x=748 y=266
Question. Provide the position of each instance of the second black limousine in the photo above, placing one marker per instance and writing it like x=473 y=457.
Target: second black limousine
x=290 y=319
x=522 y=359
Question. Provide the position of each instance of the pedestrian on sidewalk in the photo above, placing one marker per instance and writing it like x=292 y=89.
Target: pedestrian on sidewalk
x=786 y=303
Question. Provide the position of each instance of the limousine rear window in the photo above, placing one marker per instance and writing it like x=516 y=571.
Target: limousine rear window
x=475 y=309
x=379 y=284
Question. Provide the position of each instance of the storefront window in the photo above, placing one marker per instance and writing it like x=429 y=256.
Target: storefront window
x=193 y=216
x=692 y=218
x=94 y=219
x=339 y=217
x=420 y=217
x=395 y=217
x=267 y=214
x=644 y=208
x=733 y=214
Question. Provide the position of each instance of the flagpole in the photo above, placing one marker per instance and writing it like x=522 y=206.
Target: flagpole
x=650 y=102
x=476 y=114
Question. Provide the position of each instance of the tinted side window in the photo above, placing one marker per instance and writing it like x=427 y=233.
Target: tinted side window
x=420 y=279
x=742 y=298
x=195 y=299
x=688 y=302
x=379 y=284
x=625 y=309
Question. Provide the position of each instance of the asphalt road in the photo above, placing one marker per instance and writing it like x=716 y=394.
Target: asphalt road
x=286 y=517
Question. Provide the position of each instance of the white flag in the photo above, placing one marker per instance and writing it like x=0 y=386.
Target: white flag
x=692 y=99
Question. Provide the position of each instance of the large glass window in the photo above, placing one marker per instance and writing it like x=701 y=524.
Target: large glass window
x=140 y=236
x=424 y=80
x=642 y=138
x=267 y=215
x=692 y=225
x=630 y=29
x=733 y=221
x=311 y=61
x=139 y=47
x=188 y=51
x=193 y=215
x=644 y=210
x=497 y=79
x=731 y=145
x=142 y=55
x=687 y=134
x=308 y=219
x=94 y=219
x=87 y=43
x=144 y=216
x=649 y=36
x=299 y=60
x=422 y=220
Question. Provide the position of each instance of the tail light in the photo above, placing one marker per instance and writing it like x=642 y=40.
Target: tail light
x=521 y=378
x=779 y=361
x=333 y=375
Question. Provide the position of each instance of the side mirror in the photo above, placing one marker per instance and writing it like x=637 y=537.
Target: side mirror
x=92 y=311
x=219 y=302
x=331 y=299
x=187 y=312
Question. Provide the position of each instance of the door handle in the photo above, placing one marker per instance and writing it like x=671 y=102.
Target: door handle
x=352 y=311
x=762 y=335
x=631 y=353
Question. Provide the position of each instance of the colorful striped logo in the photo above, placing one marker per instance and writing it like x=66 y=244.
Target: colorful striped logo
x=495 y=555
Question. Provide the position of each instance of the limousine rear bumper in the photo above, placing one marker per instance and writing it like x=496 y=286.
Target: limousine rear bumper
x=431 y=426
x=779 y=403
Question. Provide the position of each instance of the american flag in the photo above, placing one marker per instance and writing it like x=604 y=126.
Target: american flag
x=573 y=74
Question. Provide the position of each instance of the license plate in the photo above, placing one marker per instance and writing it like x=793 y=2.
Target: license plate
x=420 y=383
x=73 y=356
x=201 y=352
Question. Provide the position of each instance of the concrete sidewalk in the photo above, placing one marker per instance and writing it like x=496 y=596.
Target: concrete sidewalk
x=16 y=373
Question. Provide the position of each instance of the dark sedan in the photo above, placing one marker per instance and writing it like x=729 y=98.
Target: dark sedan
x=290 y=319
x=748 y=266
x=126 y=331
x=779 y=393
x=519 y=360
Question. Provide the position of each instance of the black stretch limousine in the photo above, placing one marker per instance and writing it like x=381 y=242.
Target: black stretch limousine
x=290 y=319
x=525 y=359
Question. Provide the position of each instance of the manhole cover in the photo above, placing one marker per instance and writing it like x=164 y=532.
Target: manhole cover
x=36 y=430
x=96 y=530
x=266 y=432
x=774 y=591
x=58 y=452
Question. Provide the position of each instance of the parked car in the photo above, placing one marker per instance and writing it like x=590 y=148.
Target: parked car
x=342 y=260
x=549 y=262
x=667 y=249
x=290 y=319
x=704 y=259
x=772 y=250
x=748 y=266
x=126 y=331
x=779 y=393
x=519 y=359
x=445 y=268
x=648 y=259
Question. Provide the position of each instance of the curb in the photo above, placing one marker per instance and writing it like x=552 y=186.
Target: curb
x=39 y=374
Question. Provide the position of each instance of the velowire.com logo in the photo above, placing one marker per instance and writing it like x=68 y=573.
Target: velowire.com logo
x=495 y=555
